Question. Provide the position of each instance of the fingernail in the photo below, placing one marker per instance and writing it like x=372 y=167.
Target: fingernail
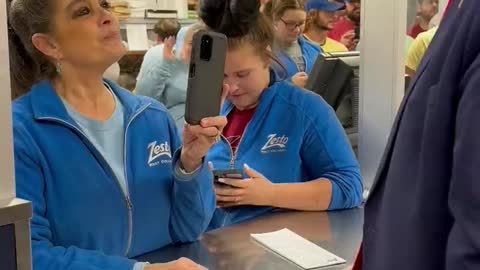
x=221 y=180
x=246 y=166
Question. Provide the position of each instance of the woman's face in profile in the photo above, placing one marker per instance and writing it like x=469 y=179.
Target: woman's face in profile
x=290 y=25
x=84 y=34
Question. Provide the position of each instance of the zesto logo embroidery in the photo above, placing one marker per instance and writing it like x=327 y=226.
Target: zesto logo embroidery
x=157 y=151
x=275 y=144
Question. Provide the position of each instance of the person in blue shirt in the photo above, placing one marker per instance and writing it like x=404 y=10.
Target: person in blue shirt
x=296 y=54
x=287 y=140
x=105 y=170
x=164 y=29
x=165 y=77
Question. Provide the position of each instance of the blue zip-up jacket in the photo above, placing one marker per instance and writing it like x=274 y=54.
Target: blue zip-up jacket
x=293 y=136
x=82 y=220
x=310 y=53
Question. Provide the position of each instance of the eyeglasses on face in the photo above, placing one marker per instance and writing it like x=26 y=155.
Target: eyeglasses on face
x=292 y=25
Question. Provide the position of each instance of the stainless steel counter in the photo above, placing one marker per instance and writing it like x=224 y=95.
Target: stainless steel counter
x=232 y=248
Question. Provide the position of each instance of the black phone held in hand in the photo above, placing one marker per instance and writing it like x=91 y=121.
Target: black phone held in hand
x=205 y=80
x=231 y=174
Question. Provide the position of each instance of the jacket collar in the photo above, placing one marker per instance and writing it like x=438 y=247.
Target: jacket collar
x=47 y=104
x=301 y=41
x=307 y=49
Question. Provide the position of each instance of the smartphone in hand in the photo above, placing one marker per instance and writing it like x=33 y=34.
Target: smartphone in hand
x=231 y=174
x=205 y=82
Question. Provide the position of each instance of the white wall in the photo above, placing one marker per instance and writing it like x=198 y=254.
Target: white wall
x=7 y=182
x=411 y=12
x=381 y=78
x=180 y=5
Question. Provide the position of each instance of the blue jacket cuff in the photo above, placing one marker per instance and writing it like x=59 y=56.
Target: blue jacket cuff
x=346 y=191
x=181 y=175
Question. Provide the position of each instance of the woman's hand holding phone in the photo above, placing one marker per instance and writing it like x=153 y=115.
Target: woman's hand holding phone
x=254 y=190
x=198 y=139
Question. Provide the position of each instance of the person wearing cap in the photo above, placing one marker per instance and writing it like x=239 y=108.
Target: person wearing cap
x=321 y=16
x=345 y=30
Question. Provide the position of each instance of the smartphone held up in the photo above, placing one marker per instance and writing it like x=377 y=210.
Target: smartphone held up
x=205 y=81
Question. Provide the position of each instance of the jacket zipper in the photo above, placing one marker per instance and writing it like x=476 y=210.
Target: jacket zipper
x=232 y=165
x=297 y=67
x=306 y=63
x=128 y=201
x=304 y=60
x=232 y=154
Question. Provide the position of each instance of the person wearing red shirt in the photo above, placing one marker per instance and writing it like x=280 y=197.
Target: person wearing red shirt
x=346 y=28
x=426 y=10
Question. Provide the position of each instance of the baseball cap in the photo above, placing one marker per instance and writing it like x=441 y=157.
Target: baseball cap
x=325 y=5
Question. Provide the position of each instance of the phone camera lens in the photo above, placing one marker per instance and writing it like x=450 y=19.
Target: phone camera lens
x=206 y=48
